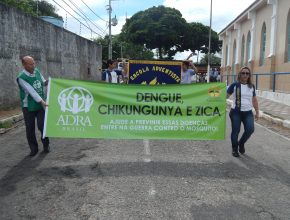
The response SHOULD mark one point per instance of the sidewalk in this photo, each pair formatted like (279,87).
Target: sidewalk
(279,110)
(9,118)
(272,111)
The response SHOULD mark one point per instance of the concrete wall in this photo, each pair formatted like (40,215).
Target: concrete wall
(57,52)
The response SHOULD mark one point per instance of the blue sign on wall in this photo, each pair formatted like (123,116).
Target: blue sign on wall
(153,72)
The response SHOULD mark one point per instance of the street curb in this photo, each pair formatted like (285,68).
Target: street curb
(286,123)
(10,122)
(278,121)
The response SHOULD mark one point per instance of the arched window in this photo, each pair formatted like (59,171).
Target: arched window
(263,45)
(287,57)
(234,57)
(226,58)
(243,51)
(248,47)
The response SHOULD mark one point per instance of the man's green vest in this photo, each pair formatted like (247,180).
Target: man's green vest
(37,85)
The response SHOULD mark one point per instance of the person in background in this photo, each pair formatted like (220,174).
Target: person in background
(186,73)
(125,72)
(215,74)
(212,76)
(218,78)
(194,76)
(111,74)
(244,99)
(31,86)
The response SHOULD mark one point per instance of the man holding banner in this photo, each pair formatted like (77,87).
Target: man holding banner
(31,83)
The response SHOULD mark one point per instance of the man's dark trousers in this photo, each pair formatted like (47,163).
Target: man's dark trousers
(29,118)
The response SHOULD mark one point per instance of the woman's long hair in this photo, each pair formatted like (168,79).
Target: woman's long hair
(249,81)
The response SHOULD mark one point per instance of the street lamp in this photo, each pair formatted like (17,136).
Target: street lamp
(209,41)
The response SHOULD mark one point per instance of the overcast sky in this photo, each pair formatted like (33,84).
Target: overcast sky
(223,12)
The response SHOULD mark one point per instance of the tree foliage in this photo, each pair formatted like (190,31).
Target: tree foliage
(30,7)
(159,28)
(129,50)
(164,29)
(214,60)
(197,38)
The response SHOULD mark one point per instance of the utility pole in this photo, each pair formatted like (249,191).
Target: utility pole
(121,50)
(37,8)
(209,43)
(110,29)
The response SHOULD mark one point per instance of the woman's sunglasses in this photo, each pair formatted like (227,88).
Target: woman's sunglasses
(245,73)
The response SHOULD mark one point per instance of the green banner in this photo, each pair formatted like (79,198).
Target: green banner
(81,109)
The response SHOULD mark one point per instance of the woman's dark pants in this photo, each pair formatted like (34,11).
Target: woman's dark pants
(238,117)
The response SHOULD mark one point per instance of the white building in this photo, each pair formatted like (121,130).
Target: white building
(259,38)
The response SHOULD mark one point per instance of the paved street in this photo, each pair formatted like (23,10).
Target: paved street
(139,179)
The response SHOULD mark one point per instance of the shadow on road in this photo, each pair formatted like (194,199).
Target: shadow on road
(228,170)
(19,172)
(272,172)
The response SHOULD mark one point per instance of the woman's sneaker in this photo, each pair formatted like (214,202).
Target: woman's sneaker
(242,148)
(235,152)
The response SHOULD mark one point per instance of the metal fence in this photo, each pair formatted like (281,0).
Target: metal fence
(274,81)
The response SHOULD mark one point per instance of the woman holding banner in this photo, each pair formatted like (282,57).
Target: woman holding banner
(244,99)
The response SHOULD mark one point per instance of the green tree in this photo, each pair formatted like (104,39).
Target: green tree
(30,7)
(46,9)
(159,28)
(133,51)
(129,50)
(197,36)
(214,60)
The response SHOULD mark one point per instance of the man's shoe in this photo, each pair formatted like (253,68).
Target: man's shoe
(242,148)
(46,149)
(235,153)
(33,153)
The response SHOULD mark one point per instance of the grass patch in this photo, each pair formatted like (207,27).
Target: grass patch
(6,124)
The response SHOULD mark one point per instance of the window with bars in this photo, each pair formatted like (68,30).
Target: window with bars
(263,45)
(243,51)
(248,47)
(287,58)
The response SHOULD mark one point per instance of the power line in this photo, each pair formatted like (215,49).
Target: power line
(90,20)
(83,13)
(82,16)
(77,13)
(94,12)
(76,18)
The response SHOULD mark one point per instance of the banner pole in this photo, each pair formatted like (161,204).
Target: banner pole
(46,110)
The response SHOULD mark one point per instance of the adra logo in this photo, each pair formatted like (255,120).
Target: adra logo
(36,84)
(75,100)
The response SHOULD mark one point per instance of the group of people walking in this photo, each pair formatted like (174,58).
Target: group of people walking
(32,96)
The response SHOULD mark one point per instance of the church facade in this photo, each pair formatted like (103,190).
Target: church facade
(260,39)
